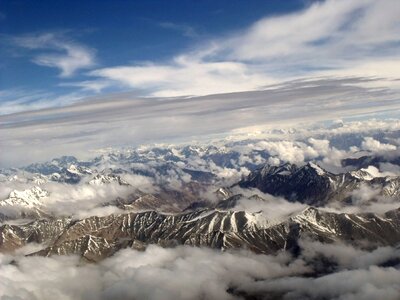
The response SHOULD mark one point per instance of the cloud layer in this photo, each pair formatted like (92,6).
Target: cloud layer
(196,273)
(327,38)
(125,120)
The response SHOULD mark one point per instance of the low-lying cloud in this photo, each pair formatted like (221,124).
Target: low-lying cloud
(197,273)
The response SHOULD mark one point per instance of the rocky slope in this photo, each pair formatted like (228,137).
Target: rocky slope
(95,238)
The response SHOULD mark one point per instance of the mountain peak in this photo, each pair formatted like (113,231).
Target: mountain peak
(317,168)
(27,198)
(362,174)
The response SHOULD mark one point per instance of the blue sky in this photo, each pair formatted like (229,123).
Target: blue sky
(77,76)
(55,53)
(117,33)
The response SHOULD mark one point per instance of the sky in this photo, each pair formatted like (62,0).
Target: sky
(51,47)
(77,76)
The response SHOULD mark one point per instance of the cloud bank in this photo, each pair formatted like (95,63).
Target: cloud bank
(125,120)
(196,273)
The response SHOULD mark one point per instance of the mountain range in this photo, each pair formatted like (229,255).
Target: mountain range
(171,216)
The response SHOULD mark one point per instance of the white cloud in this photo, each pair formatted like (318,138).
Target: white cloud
(60,52)
(370,144)
(17,100)
(294,152)
(157,273)
(91,85)
(185,76)
(296,33)
(198,273)
(125,120)
(334,38)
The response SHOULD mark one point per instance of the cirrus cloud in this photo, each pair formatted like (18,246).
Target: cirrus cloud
(64,54)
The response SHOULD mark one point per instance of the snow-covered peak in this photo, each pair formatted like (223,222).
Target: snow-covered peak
(39,179)
(29,198)
(317,168)
(362,174)
(73,169)
(102,179)
(78,171)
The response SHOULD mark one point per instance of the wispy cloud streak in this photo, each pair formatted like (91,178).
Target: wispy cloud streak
(66,55)
(330,38)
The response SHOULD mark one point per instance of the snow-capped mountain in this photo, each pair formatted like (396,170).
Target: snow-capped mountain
(190,201)
(102,179)
(313,185)
(27,203)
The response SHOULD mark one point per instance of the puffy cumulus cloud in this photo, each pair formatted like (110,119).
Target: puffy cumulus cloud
(198,273)
(375,146)
(356,274)
(228,176)
(300,151)
(294,152)
(157,273)
(320,146)
(48,278)
(330,157)
(372,283)
(346,256)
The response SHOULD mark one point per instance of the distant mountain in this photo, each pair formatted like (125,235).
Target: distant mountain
(24,204)
(191,202)
(102,179)
(366,161)
(311,184)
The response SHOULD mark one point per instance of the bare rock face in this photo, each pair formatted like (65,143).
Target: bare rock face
(90,248)
(95,238)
